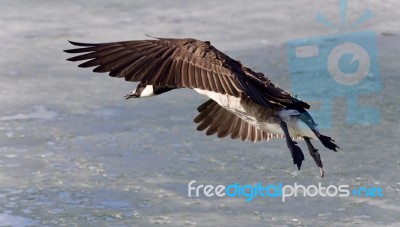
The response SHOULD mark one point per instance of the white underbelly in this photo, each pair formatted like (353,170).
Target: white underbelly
(296,126)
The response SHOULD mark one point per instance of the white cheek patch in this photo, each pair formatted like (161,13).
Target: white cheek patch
(148,91)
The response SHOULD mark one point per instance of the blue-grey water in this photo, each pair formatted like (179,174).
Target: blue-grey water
(73,152)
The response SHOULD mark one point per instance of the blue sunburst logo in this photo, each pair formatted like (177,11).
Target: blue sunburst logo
(345,64)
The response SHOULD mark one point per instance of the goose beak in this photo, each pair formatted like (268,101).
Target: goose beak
(133,94)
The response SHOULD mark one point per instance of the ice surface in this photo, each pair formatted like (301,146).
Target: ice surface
(39,113)
(75,153)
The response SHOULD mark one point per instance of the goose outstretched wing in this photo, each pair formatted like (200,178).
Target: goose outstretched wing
(181,63)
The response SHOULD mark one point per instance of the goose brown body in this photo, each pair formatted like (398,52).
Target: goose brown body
(243,104)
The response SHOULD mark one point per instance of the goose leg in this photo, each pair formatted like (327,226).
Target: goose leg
(314,153)
(295,151)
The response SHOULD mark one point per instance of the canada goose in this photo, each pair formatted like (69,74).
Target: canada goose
(243,104)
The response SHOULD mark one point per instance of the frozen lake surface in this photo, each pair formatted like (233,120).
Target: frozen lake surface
(73,152)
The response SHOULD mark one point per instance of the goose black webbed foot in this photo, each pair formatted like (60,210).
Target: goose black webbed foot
(297,154)
(316,156)
(295,151)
